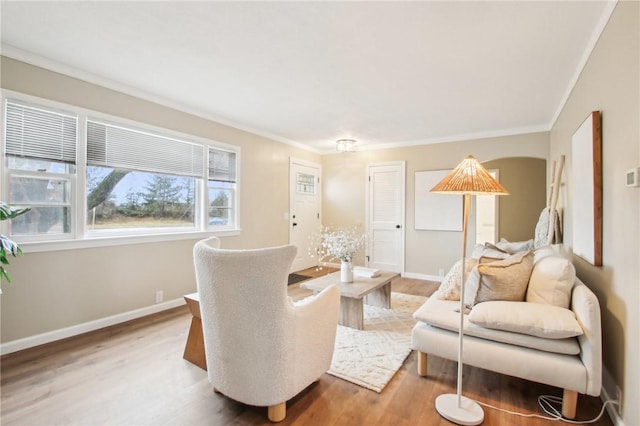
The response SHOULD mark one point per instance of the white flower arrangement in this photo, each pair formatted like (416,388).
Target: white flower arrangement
(335,243)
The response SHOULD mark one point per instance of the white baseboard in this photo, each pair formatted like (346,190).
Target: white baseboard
(74,330)
(425,277)
(609,383)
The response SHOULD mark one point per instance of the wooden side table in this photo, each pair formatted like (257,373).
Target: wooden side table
(194,348)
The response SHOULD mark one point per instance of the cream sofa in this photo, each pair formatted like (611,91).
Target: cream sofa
(571,363)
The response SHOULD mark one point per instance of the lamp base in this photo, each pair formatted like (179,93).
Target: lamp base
(468,414)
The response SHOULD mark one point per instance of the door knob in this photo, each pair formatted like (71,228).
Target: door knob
(398,226)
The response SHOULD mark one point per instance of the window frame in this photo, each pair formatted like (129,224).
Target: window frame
(79,237)
(8,173)
(233,188)
(71,178)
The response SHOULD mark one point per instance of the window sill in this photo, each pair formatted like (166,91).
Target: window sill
(121,240)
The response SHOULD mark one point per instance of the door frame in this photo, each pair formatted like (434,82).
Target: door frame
(495,173)
(403,208)
(306,163)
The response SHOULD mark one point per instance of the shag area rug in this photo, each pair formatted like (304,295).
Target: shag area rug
(371,357)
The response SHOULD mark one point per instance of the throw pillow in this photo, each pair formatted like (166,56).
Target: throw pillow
(514,247)
(546,321)
(477,251)
(549,250)
(471,287)
(552,281)
(505,279)
(450,287)
(490,252)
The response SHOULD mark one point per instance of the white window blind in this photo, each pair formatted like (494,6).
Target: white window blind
(39,133)
(222,165)
(117,147)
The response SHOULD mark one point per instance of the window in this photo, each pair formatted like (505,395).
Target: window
(222,188)
(85,175)
(305,183)
(40,150)
(138,181)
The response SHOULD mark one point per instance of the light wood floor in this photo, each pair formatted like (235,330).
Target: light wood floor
(134,374)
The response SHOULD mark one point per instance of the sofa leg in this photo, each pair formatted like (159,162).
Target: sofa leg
(278,412)
(569,403)
(422,364)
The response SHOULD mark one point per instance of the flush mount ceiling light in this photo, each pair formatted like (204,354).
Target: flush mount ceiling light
(345,145)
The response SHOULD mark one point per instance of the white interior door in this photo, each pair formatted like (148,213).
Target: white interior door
(385,216)
(304,210)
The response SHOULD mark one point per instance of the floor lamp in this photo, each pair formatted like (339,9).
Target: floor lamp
(467,179)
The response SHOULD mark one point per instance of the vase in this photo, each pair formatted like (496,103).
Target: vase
(346,272)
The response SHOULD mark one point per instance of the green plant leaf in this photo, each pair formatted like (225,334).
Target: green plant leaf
(8,212)
(4,275)
(7,245)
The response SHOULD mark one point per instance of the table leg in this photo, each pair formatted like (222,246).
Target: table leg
(380,297)
(194,349)
(351,313)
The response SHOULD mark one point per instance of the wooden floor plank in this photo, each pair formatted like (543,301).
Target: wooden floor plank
(134,374)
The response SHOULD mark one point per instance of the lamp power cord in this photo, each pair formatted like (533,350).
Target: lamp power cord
(552,406)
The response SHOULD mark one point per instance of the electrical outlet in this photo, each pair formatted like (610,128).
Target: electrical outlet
(441,272)
(159,296)
(619,398)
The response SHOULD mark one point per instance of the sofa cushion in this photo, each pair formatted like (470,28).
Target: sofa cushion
(445,314)
(551,281)
(541,320)
(505,279)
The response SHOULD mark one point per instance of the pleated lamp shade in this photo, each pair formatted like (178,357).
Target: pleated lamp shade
(469,177)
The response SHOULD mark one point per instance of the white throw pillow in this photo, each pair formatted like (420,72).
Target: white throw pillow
(471,287)
(477,251)
(551,281)
(489,251)
(546,321)
(549,250)
(450,287)
(515,246)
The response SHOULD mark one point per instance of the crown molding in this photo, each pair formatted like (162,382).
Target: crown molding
(597,32)
(70,71)
(454,138)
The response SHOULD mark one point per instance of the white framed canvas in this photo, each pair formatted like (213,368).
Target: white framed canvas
(586,189)
(436,212)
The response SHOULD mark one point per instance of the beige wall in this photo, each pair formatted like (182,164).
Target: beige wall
(426,251)
(610,83)
(53,290)
(526,181)
(58,289)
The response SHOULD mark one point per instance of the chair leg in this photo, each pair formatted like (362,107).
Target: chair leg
(277,413)
(569,403)
(422,364)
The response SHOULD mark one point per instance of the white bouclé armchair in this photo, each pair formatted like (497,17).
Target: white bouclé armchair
(261,348)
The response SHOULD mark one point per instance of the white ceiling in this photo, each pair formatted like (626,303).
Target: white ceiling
(384,73)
